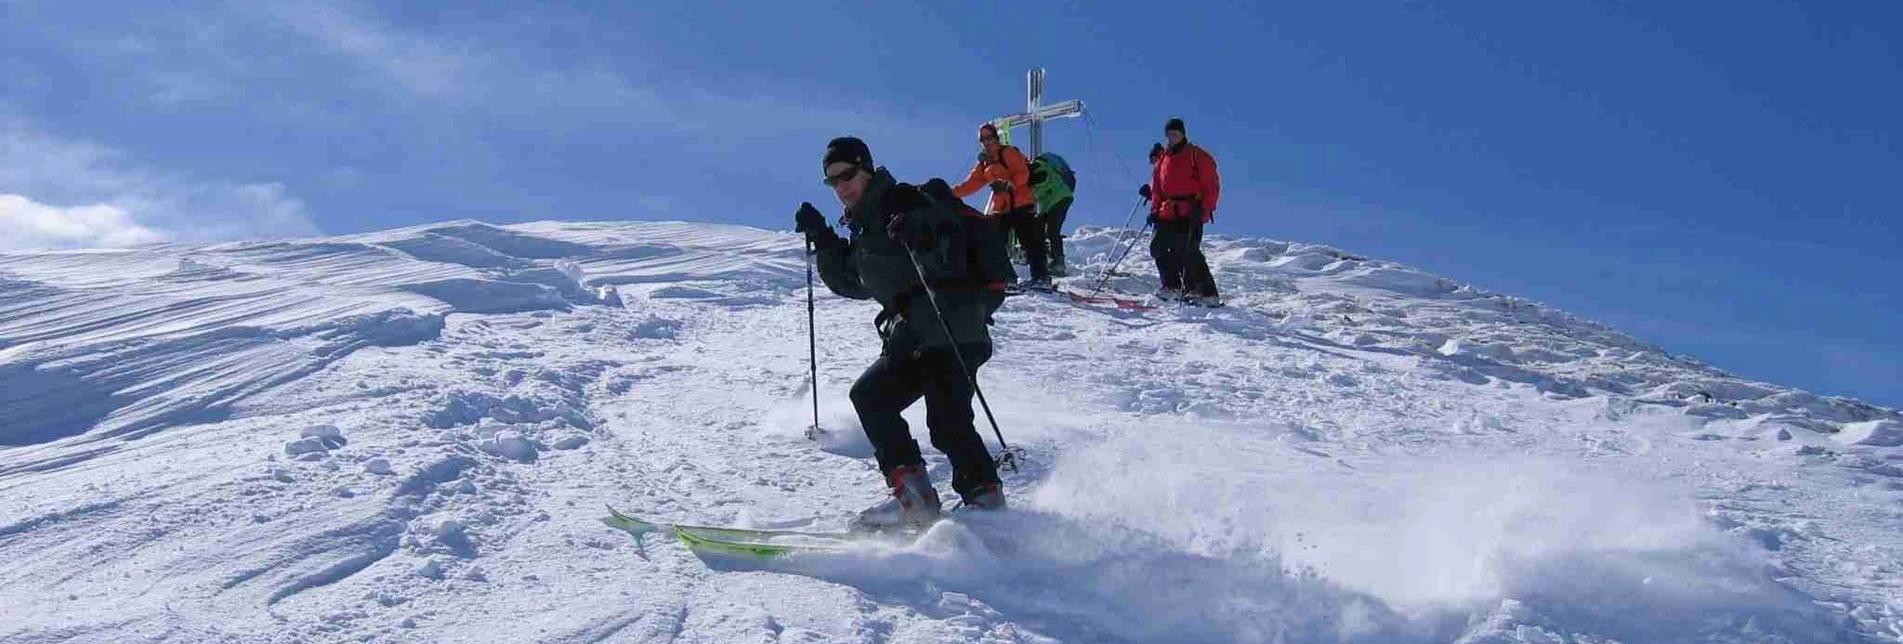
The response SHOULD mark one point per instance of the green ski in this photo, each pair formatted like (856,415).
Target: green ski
(745,542)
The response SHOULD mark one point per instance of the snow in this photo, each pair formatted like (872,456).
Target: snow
(408,436)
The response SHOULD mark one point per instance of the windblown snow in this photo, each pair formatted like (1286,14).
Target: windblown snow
(409,436)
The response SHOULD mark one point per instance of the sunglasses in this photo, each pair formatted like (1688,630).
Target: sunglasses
(833,180)
(983,139)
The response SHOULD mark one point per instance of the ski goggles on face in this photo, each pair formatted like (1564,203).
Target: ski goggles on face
(833,180)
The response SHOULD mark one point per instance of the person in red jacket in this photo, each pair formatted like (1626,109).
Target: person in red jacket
(1008,173)
(1183,190)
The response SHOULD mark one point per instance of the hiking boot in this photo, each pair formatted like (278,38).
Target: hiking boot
(914,504)
(989,496)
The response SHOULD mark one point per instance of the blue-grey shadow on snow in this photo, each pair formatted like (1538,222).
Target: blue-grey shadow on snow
(1712,592)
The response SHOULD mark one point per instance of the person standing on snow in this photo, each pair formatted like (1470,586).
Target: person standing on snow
(1055,186)
(1183,189)
(1005,170)
(897,234)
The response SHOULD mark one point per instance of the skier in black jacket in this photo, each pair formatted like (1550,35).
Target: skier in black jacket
(892,225)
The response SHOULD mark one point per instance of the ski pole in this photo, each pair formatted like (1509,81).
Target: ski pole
(812,342)
(1009,460)
(1104,279)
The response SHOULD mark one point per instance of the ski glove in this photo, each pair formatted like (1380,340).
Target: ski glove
(813,224)
(1143,191)
(808,220)
(904,231)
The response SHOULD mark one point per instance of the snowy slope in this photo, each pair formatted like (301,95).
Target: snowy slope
(408,436)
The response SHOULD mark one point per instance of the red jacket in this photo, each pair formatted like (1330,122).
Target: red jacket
(1008,166)
(1184,182)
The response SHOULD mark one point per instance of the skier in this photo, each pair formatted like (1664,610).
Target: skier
(1184,187)
(1054,185)
(899,233)
(1005,170)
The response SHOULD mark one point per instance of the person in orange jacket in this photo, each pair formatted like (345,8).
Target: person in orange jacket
(1008,173)
(1183,190)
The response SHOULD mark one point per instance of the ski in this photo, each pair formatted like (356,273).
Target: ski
(771,548)
(1126,304)
(749,542)
(638,526)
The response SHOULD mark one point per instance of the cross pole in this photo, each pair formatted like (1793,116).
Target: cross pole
(1036,113)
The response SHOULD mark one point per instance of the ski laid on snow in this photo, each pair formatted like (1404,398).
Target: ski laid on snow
(1124,303)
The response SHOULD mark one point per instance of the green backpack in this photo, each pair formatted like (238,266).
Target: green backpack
(1051,180)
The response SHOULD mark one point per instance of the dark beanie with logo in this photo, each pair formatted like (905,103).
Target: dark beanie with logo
(848,149)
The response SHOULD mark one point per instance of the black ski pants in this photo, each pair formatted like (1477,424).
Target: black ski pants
(1053,221)
(1178,251)
(1023,222)
(894,382)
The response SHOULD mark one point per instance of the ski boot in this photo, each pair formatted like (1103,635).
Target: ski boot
(989,496)
(914,504)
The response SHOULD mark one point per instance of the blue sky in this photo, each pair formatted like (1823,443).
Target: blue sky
(1717,179)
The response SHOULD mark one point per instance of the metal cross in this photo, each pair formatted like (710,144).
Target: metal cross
(1035,112)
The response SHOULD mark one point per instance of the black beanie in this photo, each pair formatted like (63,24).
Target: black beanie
(849,149)
(1175,124)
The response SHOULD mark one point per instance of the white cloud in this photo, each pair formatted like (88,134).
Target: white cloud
(426,66)
(118,196)
(27,224)
(492,82)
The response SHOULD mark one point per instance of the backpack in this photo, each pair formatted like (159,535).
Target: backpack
(1050,160)
(987,262)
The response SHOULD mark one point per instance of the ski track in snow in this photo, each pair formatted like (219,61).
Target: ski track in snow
(408,436)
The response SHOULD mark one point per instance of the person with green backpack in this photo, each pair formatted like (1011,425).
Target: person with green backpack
(1055,186)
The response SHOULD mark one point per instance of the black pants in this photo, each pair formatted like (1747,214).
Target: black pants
(1178,251)
(1030,232)
(1053,221)
(893,383)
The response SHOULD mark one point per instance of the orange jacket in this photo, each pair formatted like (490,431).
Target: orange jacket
(1009,166)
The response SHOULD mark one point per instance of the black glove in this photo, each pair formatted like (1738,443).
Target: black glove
(813,224)
(1001,185)
(1155,219)
(895,228)
(906,231)
(1143,191)
(809,220)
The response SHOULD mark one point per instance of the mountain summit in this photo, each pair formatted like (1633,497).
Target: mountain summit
(409,436)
